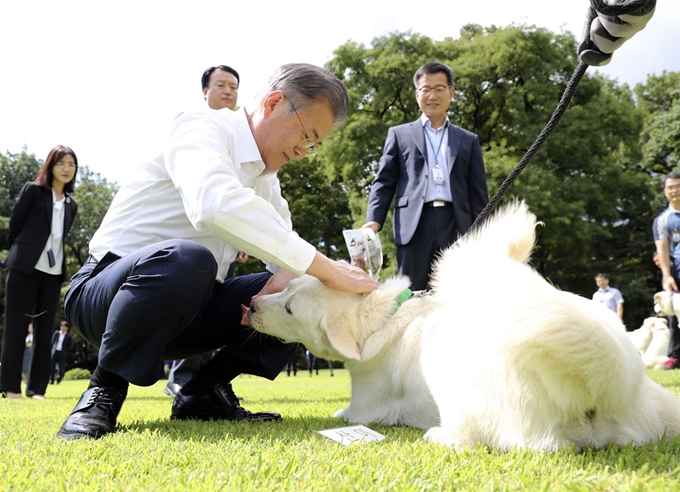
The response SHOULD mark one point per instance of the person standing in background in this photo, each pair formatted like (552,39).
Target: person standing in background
(28,351)
(36,268)
(61,344)
(220,90)
(609,296)
(436,171)
(666,231)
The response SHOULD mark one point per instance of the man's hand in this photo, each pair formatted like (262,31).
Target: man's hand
(340,275)
(609,24)
(669,284)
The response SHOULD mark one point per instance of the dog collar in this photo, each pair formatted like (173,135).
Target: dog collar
(401,299)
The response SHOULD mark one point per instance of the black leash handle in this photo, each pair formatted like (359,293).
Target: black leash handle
(625,7)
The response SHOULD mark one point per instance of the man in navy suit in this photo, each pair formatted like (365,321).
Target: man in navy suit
(436,170)
(61,344)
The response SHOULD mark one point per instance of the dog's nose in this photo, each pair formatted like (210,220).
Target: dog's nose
(252,306)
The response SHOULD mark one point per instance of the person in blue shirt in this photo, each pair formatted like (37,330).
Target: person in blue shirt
(666,231)
(609,296)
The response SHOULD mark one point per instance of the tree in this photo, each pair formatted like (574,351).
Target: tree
(659,102)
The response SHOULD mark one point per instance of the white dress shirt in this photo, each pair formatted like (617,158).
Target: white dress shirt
(437,143)
(55,241)
(209,186)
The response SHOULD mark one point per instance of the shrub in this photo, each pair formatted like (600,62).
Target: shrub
(77,373)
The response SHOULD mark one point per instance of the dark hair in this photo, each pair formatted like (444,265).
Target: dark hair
(603,275)
(673,175)
(64,323)
(46,174)
(303,83)
(205,79)
(431,68)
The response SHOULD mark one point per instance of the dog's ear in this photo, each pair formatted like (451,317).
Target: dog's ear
(340,335)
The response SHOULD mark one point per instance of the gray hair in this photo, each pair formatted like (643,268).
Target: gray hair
(303,83)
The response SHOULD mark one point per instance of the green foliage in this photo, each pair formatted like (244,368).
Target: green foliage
(152,452)
(77,373)
(659,101)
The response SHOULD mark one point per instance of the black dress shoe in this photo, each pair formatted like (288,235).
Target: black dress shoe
(219,403)
(95,414)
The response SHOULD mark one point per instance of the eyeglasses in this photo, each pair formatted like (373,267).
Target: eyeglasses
(310,146)
(438,89)
(69,165)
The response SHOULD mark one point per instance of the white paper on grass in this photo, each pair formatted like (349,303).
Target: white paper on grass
(365,250)
(355,434)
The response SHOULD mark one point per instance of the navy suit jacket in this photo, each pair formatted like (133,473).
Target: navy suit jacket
(403,170)
(30,227)
(65,345)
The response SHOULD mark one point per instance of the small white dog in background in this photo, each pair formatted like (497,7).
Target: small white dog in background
(642,337)
(542,369)
(656,354)
(667,303)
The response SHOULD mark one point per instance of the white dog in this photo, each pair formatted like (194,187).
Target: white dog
(642,337)
(655,355)
(543,369)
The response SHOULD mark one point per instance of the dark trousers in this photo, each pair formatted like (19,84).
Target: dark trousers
(32,298)
(162,302)
(58,359)
(436,231)
(674,342)
(183,370)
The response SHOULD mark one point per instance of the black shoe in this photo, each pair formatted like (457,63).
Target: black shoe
(219,403)
(171,389)
(95,414)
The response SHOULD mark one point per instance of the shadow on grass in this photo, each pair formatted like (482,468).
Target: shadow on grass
(289,431)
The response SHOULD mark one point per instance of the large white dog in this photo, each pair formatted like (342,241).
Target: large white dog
(539,368)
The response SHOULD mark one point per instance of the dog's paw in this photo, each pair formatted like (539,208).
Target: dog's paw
(340,414)
(438,435)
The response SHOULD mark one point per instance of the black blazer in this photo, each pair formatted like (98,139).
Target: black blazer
(66,344)
(30,226)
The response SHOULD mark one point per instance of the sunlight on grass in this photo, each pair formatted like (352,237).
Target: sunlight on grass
(150,452)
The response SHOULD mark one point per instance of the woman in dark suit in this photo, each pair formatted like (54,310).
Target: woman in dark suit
(36,268)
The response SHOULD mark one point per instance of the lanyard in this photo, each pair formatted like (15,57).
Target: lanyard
(438,148)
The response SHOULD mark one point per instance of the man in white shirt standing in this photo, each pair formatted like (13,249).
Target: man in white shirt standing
(609,296)
(155,286)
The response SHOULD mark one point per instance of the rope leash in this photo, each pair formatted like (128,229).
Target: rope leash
(626,7)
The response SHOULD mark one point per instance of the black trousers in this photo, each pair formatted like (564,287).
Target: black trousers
(162,302)
(32,298)
(58,359)
(436,231)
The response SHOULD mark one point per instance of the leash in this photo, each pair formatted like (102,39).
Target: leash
(627,7)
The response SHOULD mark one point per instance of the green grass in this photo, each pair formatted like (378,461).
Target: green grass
(153,453)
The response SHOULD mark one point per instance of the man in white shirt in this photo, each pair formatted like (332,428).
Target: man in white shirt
(609,296)
(155,286)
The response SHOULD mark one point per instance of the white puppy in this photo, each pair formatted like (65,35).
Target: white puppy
(643,335)
(656,354)
(557,369)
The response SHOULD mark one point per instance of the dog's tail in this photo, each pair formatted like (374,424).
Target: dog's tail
(508,233)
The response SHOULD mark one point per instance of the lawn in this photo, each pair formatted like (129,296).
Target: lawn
(153,453)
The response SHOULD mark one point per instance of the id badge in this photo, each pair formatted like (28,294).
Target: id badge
(438,176)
